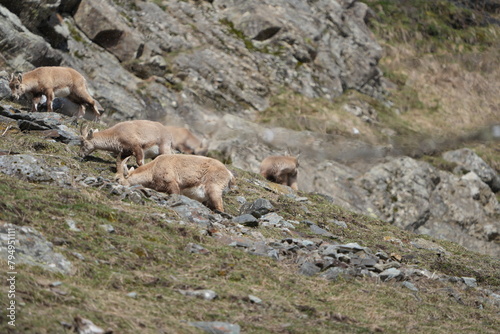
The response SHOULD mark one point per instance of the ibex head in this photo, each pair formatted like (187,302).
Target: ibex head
(86,145)
(122,171)
(16,87)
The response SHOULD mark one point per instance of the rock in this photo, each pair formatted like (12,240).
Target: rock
(203,294)
(334,273)
(389,274)
(416,196)
(32,18)
(246,220)
(338,223)
(25,49)
(382,255)
(132,295)
(271,219)
(258,208)
(216,327)
(107,228)
(85,326)
(320,231)
(44,122)
(32,248)
(470,282)
(189,209)
(410,286)
(380,267)
(194,248)
(309,269)
(255,300)
(468,161)
(34,169)
(72,225)
(351,247)
(108,29)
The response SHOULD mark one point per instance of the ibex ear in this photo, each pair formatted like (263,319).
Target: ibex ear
(91,134)
(12,77)
(83,131)
(20,77)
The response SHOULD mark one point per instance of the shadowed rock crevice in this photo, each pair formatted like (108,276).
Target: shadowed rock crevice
(108,38)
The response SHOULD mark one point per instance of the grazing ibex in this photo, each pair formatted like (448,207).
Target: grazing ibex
(281,169)
(53,81)
(128,138)
(200,178)
(186,142)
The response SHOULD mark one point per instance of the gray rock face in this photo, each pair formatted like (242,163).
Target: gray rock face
(32,12)
(21,48)
(468,161)
(32,248)
(226,56)
(52,124)
(33,169)
(258,208)
(417,197)
(103,24)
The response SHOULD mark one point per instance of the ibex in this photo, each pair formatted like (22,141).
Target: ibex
(186,142)
(281,169)
(128,138)
(53,81)
(200,178)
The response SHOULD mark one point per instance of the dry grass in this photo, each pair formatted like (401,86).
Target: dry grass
(456,98)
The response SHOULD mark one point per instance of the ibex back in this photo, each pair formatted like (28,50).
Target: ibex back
(53,81)
(186,142)
(200,178)
(128,138)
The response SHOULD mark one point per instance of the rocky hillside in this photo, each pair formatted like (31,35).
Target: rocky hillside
(393,107)
(258,79)
(89,255)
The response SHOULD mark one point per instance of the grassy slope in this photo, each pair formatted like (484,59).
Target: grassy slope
(146,255)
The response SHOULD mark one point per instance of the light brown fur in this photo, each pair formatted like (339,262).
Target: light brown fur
(200,178)
(53,81)
(281,169)
(186,142)
(128,138)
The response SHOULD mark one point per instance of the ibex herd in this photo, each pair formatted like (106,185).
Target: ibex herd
(201,178)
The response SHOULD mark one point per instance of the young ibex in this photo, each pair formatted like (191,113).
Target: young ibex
(186,142)
(53,81)
(128,138)
(281,169)
(200,178)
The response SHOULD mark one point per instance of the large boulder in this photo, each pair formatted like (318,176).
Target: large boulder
(468,161)
(32,12)
(104,25)
(418,197)
(22,49)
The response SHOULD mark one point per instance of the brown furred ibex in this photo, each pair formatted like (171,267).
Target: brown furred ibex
(281,169)
(128,138)
(186,142)
(200,178)
(53,81)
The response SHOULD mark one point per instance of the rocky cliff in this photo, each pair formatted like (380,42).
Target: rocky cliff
(215,66)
